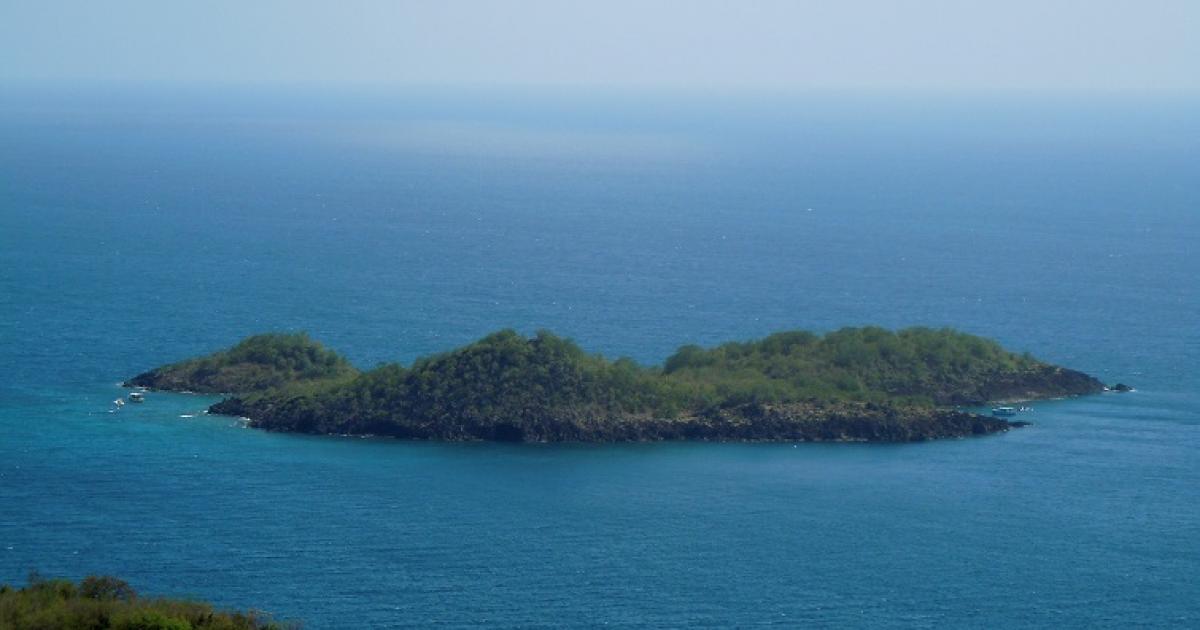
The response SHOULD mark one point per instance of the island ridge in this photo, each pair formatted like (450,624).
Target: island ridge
(853,384)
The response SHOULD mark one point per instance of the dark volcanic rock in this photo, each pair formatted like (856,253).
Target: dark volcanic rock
(1043,382)
(798,422)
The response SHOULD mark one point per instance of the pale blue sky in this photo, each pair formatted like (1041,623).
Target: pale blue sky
(943,45)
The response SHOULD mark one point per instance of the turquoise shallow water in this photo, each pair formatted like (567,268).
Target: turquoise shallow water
(139,229)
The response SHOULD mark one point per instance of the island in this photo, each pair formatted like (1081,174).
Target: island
(853,384)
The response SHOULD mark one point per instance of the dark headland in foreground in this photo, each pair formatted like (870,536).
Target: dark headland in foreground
(854,384)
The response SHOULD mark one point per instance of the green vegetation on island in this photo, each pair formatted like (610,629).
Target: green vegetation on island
(107,603)
(851,384)
(258,363)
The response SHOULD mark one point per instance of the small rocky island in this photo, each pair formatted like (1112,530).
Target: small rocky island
(854,384)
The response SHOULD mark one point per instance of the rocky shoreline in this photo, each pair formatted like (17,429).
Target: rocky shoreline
(810,421)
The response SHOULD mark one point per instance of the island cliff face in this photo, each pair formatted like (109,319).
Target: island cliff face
(855,384)
(753,422)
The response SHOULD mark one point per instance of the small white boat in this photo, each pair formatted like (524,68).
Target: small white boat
(137,397)
(118,403)
(1004,412)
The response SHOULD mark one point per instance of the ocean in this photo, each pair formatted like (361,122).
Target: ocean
(144,225)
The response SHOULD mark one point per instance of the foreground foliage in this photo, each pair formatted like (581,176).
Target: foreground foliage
(101,603)
(508,387)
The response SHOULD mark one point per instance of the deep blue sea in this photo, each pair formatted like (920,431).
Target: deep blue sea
(144,225)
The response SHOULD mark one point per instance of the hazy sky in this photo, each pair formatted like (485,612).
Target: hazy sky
(873,44)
